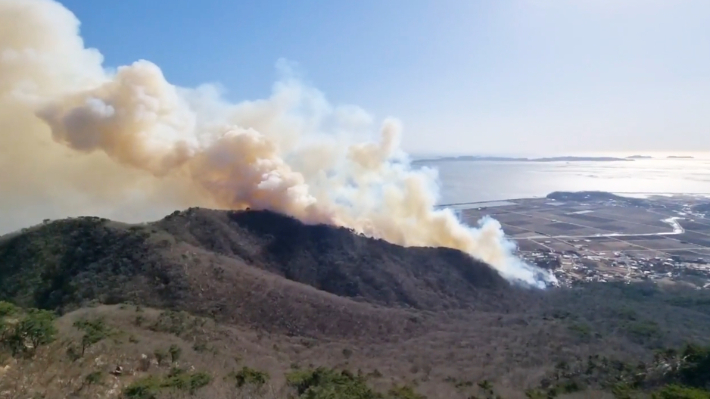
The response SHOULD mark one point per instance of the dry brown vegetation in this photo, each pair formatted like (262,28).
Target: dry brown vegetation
(256,289)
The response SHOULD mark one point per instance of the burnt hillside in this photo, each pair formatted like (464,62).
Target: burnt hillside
(255,268)
(338,261)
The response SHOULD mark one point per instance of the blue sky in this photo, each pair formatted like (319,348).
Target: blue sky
(503,77)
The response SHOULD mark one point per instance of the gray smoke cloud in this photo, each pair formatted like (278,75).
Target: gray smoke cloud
(84,139)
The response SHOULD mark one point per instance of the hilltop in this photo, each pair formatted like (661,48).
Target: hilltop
(261,290)
(276,268)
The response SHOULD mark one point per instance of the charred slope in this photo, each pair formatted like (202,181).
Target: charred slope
(256,268)
(73,263)
(338,261)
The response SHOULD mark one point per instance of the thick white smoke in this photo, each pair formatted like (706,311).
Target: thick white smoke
(131,134)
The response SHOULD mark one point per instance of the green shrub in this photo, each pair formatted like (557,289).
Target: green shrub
(199,380)
(485,385)
(175,352)
(569,386)
(38,327)
(34,328)
(8,309)
(73,353)
(160,355)
(169,321)
(463,384)
(404,392)
(643,330)
(622,391)
(375,373)
(626,313)
(323,383)
(149,387)
(94,331)
(94,378)
(581,329)
(143,388)
(695,368)
(536,394)
(183,381)
(200,347)
(249,376)
(681,392)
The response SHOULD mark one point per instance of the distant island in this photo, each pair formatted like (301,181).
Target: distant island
(680,157)
(514,159)
(584,196)
(640,157)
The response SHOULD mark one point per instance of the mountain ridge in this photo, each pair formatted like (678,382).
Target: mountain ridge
(256,289)
(279,273)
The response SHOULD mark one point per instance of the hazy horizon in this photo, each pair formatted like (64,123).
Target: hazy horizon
(616,154)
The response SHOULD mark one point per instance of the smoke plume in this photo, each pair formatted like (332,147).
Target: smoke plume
(77,138)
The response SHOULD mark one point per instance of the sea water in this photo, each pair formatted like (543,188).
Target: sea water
(472,181)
